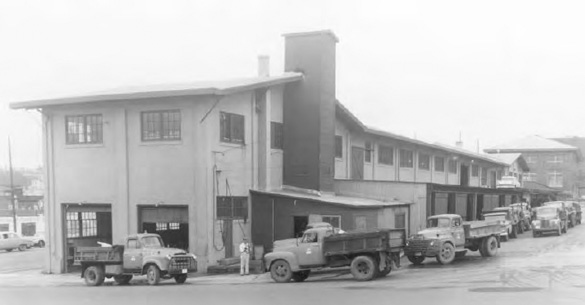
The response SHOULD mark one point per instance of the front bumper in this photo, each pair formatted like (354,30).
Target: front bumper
(422,247)
(182,264)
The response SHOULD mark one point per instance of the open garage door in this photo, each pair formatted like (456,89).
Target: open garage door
(171,223)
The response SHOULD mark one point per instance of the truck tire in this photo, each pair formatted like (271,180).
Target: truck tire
(489,247)
(387,268)
(300,276)
(446,254)
(122,279)
(21,248)
(364,268)
(416,260)
(9,250)
(41,244)
(280,271)
(180,279)
(94,275)
(152,275)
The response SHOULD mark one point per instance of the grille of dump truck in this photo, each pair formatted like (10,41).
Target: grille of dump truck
(182,262)
(418,245)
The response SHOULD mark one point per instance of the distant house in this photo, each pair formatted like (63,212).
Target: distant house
(551,162)
(516,164)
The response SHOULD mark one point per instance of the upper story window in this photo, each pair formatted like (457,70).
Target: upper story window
(531,159)
(276,135)
(406,158)
(452,166)
(385,155)
(474,170)
(555,179)
(424,161)
(161,125)
(231,127)
(369,151)
(338,147)
(439,164)
(84,129)
(484,174)
(555,159)
(529,176)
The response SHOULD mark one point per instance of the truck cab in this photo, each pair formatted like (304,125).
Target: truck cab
(548,219)
(308,249)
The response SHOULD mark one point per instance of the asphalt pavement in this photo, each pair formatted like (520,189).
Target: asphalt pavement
(527,270)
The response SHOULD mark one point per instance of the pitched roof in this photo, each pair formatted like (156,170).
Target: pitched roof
(222,87)
(531,143)
(510,158)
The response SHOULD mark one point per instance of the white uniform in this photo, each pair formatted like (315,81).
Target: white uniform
(244,258)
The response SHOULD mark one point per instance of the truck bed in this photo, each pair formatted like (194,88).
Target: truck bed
(106,255)
(389,240)
(481,228)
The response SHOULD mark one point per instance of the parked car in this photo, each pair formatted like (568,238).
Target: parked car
(10,241)
(567,211)
(37,240)
(548,219)
(508,182)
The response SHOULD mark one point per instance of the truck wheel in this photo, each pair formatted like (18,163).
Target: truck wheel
(280,271)
(41,244)
(364,268)
(447,254)
(513,234)
(21,247)
(94,275)
(387,268)
(152,275)
(9,250)
(416,260)
(300,276)
(489,247)
(122,279)
(180,279)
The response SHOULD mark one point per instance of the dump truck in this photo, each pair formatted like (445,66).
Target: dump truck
(369,254)
(549,219)
(141,254)
(447,237)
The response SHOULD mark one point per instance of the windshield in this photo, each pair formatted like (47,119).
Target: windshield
(438,223)
(151,242)
(546,211)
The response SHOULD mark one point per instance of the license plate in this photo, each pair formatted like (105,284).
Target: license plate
(418,254)
(184,271)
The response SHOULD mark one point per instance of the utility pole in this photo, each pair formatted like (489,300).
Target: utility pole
(12,185)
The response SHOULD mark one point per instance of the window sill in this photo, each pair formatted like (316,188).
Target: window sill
(74,146)
(232,145)
(338,159)
(159,143)
(385,165)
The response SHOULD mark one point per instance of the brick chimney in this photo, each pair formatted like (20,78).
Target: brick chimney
(309,111)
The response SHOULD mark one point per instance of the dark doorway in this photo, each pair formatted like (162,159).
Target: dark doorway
(300,223)
(470,208)
(171,223)
(502,200)
(493,180)
(479,207)
(357,163)
(228,237)
(464,175)
(451,203)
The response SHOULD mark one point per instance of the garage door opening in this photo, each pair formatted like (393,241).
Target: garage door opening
(171,223)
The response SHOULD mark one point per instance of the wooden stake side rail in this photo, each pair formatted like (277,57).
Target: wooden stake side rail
(105,255)
(388,240)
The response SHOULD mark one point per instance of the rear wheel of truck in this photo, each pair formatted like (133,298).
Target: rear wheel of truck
(364,268)
(416,260)
(180,279)
(94,275)
(21,247)
(300,276)
(446,254)
(387,268)
(280,271)
(152,275)
(489,246)
(122,279)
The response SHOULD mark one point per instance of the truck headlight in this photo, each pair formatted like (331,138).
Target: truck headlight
(432,243)
(169,256)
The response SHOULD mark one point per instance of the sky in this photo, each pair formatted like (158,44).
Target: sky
(492,71)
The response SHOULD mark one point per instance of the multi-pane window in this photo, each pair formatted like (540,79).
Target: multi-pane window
(385,155)
(484,174)
(424,161)
(555,179)
(452,166)
(531,159)
(400,221)
(338,147)
(474,170)
(162,125)
(529,176)
(232,207)
(231,127)
(369,151)
(439,164)
(84,129)
(276,135)
(81,224)
(88,224)
(161,226)
(555,159)
(73,225)
(406,158)
(333,220)
(174,226)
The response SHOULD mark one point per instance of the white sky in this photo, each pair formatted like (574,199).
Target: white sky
(493,70)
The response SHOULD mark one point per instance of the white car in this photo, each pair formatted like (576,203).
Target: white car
(10,241)
(36,241)
(508,182)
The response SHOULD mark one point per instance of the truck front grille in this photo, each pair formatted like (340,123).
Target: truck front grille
(418,245)
(182,262)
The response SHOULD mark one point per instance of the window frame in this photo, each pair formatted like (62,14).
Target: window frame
(338,147)
(227,130)
(332,216)
(84,224)
(555,159)
(230,202)
(276,135)
(428,163)
(483,176)
(159,125)
(385,152)
(99,133)
(529,176)
(441,164)
(474,170)
(449,168)
(368,151)
(409,162)
(557,176)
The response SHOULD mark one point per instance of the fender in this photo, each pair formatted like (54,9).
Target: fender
(157,261)
(287,256)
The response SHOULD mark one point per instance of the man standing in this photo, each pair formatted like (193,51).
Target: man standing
(244,257)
